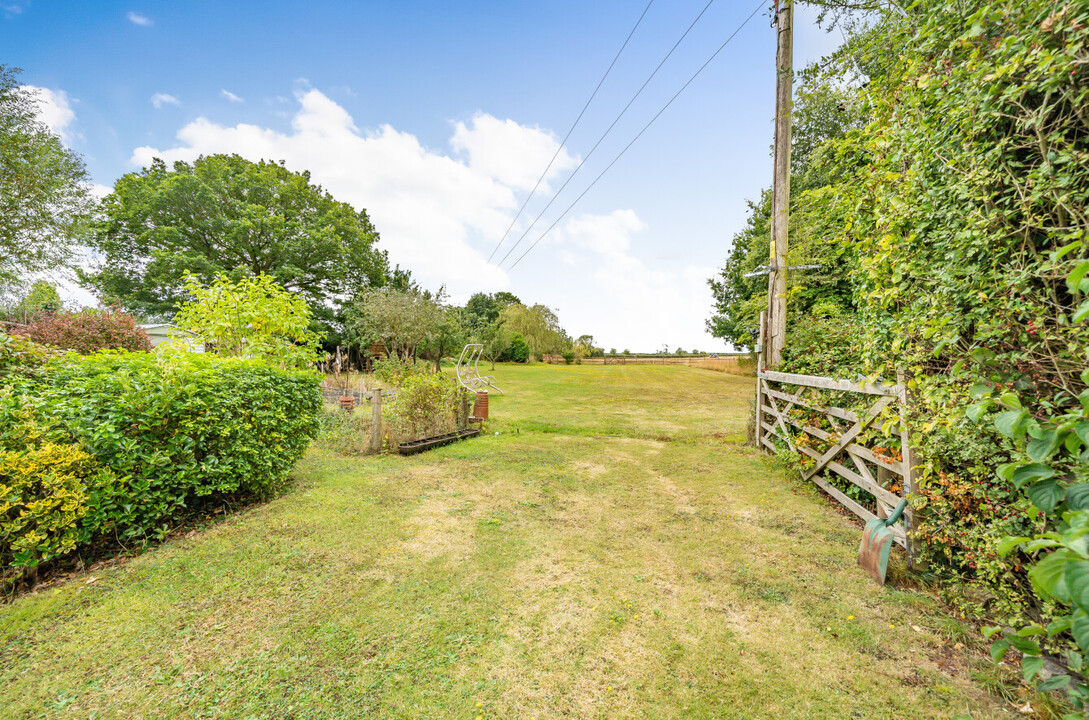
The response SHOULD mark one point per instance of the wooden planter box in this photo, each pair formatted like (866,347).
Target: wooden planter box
(417,446)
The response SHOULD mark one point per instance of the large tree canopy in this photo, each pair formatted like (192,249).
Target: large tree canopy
(224,214)
(43,191)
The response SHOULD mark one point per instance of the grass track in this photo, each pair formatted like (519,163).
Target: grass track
(608,551)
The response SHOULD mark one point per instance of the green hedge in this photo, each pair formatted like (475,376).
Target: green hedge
(118,444)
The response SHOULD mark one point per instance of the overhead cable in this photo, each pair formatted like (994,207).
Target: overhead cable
(605,134)
(568,135)
(621,154)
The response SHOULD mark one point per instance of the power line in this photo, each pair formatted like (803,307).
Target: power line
(568,135)
(605,134)
(621,154)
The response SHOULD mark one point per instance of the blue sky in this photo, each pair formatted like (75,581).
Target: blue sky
(438,118)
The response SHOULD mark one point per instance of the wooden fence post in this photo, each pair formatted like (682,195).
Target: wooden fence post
(376,420)
(758,434)
(463,409)
(907,458)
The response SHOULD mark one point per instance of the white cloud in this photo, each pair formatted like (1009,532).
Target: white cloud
(230,96)
(99,191)
(511,153)
(142,20)
(430,208)
(54,110)
(160,99)
(629,299)
(11,9)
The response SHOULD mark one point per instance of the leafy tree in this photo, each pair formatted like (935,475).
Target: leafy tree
(538,326)
(44,198)
(226,215)
(483,308)
(496,341)
(250,317)
(398,320)
(518,351)
(88,331)
(445,333)
(42,297)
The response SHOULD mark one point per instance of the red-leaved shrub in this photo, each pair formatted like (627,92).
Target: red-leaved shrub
(88,330)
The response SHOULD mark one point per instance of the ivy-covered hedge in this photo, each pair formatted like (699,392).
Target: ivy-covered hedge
(116,445)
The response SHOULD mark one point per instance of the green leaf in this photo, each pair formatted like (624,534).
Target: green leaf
(1035,471)
(1077,497)
(974,412)
(1005,545)
(1040,449)
(1049,576)
(979,391)
(1079,628)
(1073,280)
(1010,399)
(1058,625)
(991,631)
(982,355)
(1054,683)
(1046,494)
(999,649)
(1082,312)
(1082,430)
(1077,582)
(1024,645)
(1030,666)
(1011,422)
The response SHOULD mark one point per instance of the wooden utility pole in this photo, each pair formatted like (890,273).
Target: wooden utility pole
(780,193)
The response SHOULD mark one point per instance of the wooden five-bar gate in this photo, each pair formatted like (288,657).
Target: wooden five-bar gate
(789,409)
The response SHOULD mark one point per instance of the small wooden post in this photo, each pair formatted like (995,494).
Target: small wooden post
(907,458)
(760,350)
(463,409)
(376,420)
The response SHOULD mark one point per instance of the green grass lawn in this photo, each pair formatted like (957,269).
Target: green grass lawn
(608,550)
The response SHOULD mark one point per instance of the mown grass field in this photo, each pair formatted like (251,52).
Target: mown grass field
(608,550)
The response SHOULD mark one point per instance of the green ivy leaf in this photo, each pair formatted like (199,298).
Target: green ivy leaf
(1046,494)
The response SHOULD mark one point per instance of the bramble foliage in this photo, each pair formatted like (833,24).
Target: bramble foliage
(952,232)
(88,330)
(251,317)
(120,443)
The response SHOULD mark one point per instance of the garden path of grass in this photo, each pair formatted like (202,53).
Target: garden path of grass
(608,550)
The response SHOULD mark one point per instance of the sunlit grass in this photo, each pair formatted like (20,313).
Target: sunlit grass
(608,550)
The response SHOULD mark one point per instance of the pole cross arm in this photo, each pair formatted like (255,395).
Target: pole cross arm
(766,269)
